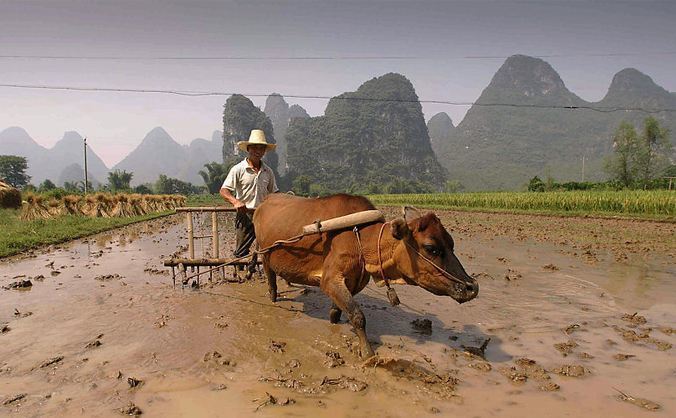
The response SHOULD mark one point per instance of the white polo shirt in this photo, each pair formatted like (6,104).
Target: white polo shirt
(249,187)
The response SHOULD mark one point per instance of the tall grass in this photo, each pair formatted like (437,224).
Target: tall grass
(654,203)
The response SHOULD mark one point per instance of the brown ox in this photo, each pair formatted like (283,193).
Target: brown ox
(410,248)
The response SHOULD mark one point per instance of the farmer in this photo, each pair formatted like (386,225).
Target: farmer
(247,185)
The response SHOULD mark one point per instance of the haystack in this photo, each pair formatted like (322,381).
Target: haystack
(34,208)
(136,204)
(54,207)
(9,196)
(121,206)
(97,205)
(70,205)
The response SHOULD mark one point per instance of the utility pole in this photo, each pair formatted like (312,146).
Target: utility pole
(85,166)
(582,168)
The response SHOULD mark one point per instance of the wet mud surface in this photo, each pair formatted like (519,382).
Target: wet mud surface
(574,317)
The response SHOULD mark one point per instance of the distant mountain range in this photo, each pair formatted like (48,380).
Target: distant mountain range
(515,130)
(499,145)
(44,163)
(158,153)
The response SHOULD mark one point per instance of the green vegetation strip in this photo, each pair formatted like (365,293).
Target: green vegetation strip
(18,235)
(649,204)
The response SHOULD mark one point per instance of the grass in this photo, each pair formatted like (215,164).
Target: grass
(206,200)
(18,236)
(642,204)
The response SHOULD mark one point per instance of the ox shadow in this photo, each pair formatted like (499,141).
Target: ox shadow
(382,319)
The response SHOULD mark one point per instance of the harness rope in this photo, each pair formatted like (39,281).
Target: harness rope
(391,293)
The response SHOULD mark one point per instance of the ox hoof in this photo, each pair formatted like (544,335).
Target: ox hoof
(334,315)
(273,297)
(367,352)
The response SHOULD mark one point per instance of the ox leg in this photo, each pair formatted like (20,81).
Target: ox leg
(342,298)
(272,278)
(334,314)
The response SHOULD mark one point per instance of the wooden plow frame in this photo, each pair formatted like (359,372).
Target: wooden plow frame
(213,259)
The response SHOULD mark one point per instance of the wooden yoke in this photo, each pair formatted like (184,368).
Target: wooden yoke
(341,222)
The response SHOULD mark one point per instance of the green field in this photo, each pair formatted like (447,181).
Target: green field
(648,204)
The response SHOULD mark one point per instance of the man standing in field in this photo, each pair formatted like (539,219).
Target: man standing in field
(248,183)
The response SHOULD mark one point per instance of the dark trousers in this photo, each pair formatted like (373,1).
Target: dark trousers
(244,233)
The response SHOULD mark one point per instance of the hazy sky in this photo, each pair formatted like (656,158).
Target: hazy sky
(442,35)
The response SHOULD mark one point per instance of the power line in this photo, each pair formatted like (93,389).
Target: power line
(188,93)
(321,57)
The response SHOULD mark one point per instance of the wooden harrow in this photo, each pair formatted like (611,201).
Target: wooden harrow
(210,258)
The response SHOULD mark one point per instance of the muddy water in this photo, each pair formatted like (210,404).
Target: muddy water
(553,298)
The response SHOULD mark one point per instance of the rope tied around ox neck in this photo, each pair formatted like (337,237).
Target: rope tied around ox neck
(391,293)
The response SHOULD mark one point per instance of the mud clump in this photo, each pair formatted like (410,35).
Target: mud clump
(4,329)
(271,400)
(634,319)
(666,330)
(441,385)
(512,275)
(571,370)
(333,359)
(422,326)
(95,343)
(642,337)
(481,366)
(108,277)
(643,403)
(344,382)
(19,314)
(566,348)
(134,382)
(571,328)
(13,399)
(477,351)
(623,357)
(131,410)
(514,375)
(19,284)
(277,346)
(550,267)
(216,358)
(549,387)
(52,361)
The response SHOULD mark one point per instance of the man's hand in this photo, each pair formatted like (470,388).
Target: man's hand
(236,203)
(239,206)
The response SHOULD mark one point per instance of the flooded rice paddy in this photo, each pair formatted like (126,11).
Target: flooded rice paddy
(575,317)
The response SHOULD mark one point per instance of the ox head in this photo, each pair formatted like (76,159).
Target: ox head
(425,257)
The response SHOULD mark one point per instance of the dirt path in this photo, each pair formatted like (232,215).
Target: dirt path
(554,294)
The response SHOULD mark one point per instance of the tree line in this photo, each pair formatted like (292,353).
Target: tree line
(639,160)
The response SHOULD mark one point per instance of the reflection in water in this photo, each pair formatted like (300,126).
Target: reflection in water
(102,240)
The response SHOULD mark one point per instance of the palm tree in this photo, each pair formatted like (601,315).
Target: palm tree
(214,176)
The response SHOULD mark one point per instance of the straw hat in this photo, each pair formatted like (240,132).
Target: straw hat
(257,137)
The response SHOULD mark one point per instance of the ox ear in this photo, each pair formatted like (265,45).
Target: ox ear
(399,229)
(410,213)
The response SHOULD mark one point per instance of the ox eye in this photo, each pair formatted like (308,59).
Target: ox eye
(433,250)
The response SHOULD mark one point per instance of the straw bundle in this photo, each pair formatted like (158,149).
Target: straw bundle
(9,196)
(34,208)
(136,204)
(97,205)
(121,206)
(53,206)
(70,205)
